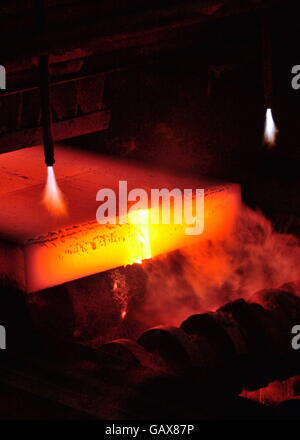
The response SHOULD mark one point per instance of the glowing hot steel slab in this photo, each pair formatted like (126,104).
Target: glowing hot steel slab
(39,250)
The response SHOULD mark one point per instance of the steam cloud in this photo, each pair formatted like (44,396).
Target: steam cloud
(208,275)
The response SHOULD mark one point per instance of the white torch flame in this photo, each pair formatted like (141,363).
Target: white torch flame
(270,130)
(53,198)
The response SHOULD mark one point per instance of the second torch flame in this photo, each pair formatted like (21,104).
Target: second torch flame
(53,197)
(270,130)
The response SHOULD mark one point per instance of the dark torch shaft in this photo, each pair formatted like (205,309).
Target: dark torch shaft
(267,57)
(46,111)
(43,61)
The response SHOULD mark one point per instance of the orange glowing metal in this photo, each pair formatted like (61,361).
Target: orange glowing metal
(91,248)
(48,250)
(53,197)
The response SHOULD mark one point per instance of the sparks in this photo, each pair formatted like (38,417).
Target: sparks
(270,130)
(53,198)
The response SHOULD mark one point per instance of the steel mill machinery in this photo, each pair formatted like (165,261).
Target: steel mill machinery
(142,321)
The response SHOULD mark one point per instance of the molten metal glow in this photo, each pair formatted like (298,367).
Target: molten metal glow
(270,129)
(91,248)
(45,250)
(53,198)
(141,219)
